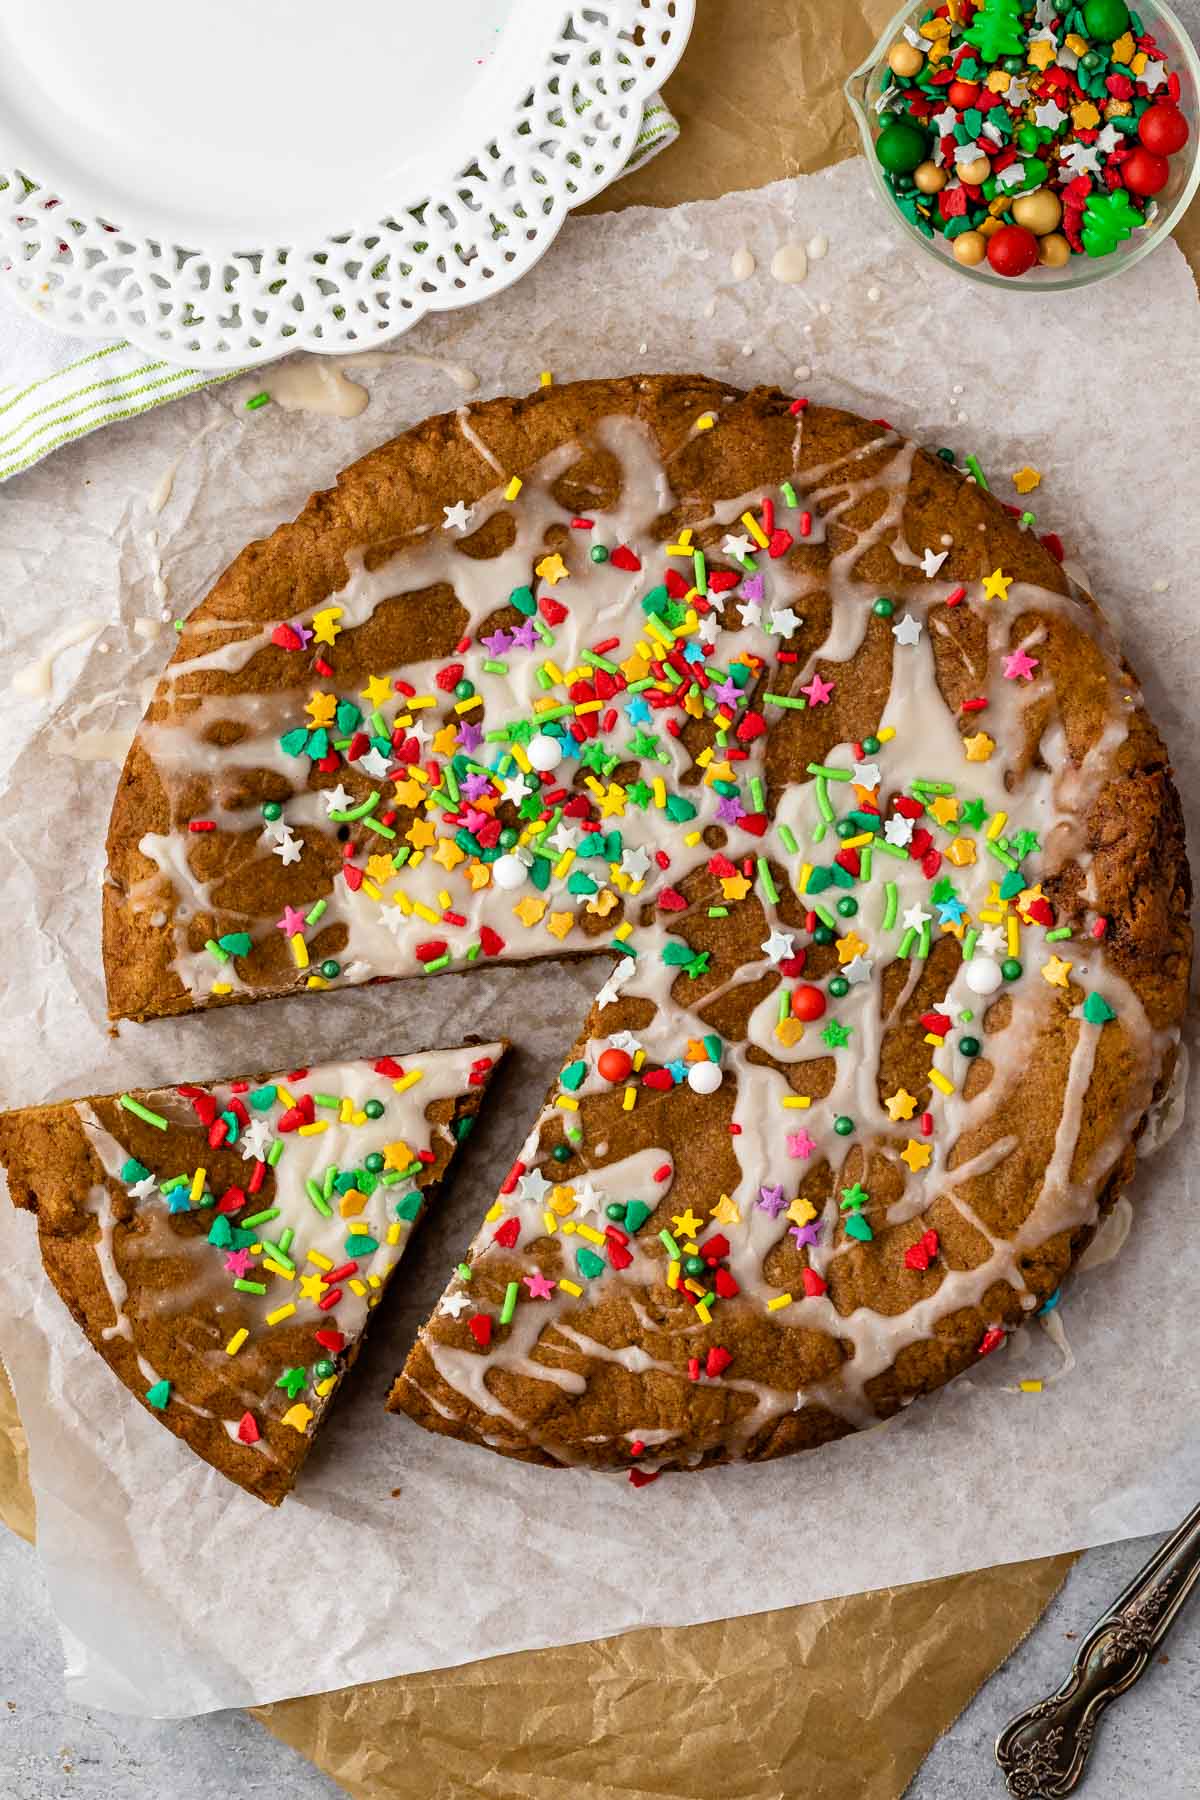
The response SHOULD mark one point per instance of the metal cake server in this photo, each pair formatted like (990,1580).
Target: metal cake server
(1043,1750)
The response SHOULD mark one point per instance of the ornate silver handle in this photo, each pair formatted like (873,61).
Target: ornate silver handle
(1042,1751)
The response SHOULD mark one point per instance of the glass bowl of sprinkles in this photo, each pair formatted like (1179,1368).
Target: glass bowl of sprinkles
(1033,143)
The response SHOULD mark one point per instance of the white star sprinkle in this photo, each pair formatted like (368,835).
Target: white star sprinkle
(255,1140)
(751,613)
(866,774)
(534,1186)
(565,837)
(514,789)
(778,945)
(736,546)
(276,830)
(784,623)
(858,970)
(374,764)
(1081,159)
(1050,114)
(710,626)
(625,1040)
(1108,139)
(991,939)
(142,1190)
(898,830)
(1154,74)
(588,1199)
(932,561)
(288,849)
(635,861)
(394,919)
(453,1304)
(458,516)
(419,730)
(337,799)
(907,630)
(945,121)
(914,918)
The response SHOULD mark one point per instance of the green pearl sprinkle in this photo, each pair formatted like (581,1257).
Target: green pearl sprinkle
(839,987)
(331,969)
(970,1046)
(847,906)
(1010,968)
(883,609)
(843,1126)
(374,1162)
(374,1109)
(598,553)
(561,1152)
(271,809)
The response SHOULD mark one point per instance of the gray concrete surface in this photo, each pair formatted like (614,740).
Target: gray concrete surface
(1149,1749)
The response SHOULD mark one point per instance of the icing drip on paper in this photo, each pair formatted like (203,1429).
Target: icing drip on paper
(999,809)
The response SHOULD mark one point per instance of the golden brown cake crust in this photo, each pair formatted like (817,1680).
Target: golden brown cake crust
(626,1377)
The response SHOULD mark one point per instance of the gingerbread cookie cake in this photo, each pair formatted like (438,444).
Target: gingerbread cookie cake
(224,1246)
(815,746)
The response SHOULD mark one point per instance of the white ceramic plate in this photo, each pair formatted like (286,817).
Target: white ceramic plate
(223,182)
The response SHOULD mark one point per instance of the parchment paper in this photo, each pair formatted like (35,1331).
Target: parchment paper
(474,1555)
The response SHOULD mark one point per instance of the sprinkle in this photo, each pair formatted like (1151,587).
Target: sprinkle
(510,1301)
(142,1112)
(779,1300)
(281,1313)
(570,1287)
(250,1287)
(236,1341)
(940,1081)
(513,488)
(891,904)
(257,400)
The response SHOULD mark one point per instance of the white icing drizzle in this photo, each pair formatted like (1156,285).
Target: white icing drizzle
(922,744)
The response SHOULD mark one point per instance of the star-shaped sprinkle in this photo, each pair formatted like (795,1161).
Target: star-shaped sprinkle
(901,1104)
(806,1234)
(770,1200)
(907,630)
(311,1287)
(291,922)
(854,1197)
(1153,76)
(915,918)
(533,1186)
(996,585)
(238,1263)
(588,1199)
(866,775)
(337,799)
(530,911)
(801,1211)
(1026,479)
(778,945)
(725,1212)
(898,830)
(849,945)
(552,569)
(288,849)
(800,1145)
(917,1155)
(1056,971)
(142,1190)
(783,623)
(991,939)
(818,691)
(1081,159)
(751,612)
(974,812)
(453,1304)
(686,1223)
(255,1140)
(858,970)
(539,1287)
(944,809)
(1019,666)
(375,764)
(979,747)
(836,1035)
(376,692)
(1051,115)
(457,517)
(736,546)
(932,561)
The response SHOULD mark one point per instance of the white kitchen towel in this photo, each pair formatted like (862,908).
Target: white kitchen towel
(54,387)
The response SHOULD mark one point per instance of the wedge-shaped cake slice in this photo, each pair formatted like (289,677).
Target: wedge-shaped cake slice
(223,1246)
